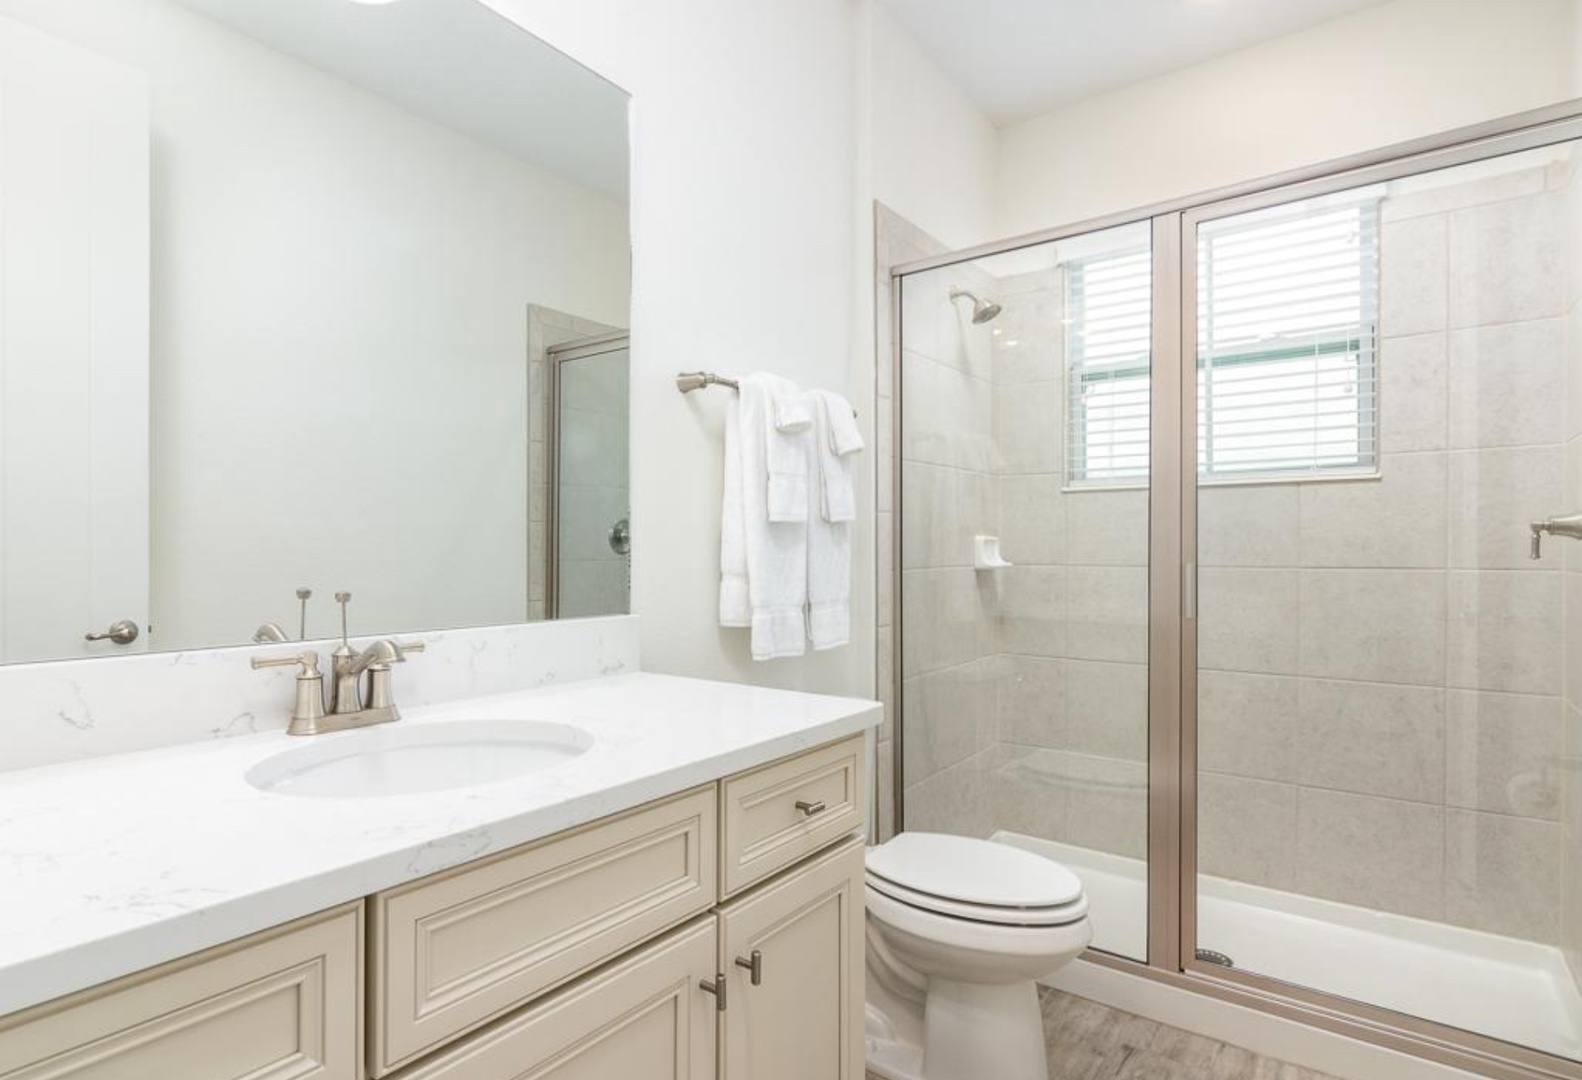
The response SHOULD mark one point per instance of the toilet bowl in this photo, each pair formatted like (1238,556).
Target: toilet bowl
(959,931)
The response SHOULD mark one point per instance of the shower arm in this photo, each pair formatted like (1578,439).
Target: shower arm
(1569,525)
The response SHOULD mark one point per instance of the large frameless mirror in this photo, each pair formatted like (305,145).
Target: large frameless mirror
(279,280)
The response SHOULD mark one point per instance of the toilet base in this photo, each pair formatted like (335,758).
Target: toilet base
(972,1031)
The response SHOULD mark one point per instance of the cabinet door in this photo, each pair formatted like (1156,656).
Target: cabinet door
(804,1018)
(643,1018)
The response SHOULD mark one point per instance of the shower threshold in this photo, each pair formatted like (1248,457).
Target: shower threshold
(1428,969)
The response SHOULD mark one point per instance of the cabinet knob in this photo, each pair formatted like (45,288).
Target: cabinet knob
(715,986)
(753,964)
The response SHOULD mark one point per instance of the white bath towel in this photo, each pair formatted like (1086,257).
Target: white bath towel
(836,440)
(829,533)
(735,606)
(788,424)
(775,551)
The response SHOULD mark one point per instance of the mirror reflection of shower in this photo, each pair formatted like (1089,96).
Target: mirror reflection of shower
(983,309)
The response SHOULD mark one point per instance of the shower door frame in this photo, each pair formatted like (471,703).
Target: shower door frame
(1172,576)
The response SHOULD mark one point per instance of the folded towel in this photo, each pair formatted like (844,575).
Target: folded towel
(829,530)
(735,607)
(776,551)
(785,448)
(837,437)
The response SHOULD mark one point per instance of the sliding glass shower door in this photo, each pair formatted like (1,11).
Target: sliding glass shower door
(1387,388)
(1023,589)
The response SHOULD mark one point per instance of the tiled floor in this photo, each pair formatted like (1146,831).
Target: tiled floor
(1089,1041)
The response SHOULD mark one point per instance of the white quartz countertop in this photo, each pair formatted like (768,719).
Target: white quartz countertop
(115,864)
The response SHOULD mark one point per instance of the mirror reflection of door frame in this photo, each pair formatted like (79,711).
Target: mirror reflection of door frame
(555,355)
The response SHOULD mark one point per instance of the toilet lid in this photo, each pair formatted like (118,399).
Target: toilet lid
(1060,915)
(978,873)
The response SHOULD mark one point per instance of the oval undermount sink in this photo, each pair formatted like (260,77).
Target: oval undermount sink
(393,759)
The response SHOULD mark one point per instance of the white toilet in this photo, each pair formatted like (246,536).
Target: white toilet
(959,930)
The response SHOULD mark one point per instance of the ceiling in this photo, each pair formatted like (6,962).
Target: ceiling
(1019,58)
(460,64)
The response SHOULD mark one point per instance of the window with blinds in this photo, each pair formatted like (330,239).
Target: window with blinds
(1287,371)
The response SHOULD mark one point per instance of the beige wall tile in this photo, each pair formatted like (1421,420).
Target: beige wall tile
(942,509)
(1505,631)
(1413,263)
(1107,804)
(944,620)
(1414,385)
(1503,753)
(1502,874)
(1507,261)
(1247,830)
(1494,495)
(1028,336)
(1029,792)
(884,789)
(1572,646)
(1247,620)
(1507,384)
(1247,724)
(1028,428)
(1374,625)
(1379,853)
(946,415)
(1373,739)
(951,714)
(1033,519)
(884,568)
(1253,525)
(954,800)
(884,678)
(1107,528)
(1032,701)
(1107,709)
(1108,617)
(1033,604)
(1396,521)
(1571,845)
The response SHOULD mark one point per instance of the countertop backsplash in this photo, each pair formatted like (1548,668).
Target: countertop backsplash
(73,709)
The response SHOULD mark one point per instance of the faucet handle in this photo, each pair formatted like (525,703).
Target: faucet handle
(410,646)
(308,659)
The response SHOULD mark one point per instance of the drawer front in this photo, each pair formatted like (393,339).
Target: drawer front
(645,1018)
(453,951)
(763,826)
(283,1005)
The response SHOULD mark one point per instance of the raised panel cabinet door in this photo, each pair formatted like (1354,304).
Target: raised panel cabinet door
(644,1018)
(282,1005)
(803,933)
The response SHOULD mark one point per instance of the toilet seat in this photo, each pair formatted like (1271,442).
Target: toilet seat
(978,880)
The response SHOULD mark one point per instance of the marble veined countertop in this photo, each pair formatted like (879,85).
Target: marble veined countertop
(115,864)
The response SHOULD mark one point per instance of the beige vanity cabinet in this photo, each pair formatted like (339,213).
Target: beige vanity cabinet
(716,934)
(792,951)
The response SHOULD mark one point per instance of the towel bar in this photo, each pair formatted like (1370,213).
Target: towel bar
(689,381)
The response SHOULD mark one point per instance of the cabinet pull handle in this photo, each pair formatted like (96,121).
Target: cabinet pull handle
(810,809)
(715,987)
(755,965)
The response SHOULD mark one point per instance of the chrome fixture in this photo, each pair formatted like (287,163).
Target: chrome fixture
(1566,525)
(121,632)
(352,704)
(269,633)
(689,381)
(621,537)
(303,594)
(982,310)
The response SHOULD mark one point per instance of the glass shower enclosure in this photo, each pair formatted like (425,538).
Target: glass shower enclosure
(1271,656)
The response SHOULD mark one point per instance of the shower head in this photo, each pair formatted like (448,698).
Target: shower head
(982,310)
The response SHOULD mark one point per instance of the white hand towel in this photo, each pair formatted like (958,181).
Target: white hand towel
(837,438)
(735,607)
(776,551)
(829,538)
(786,422)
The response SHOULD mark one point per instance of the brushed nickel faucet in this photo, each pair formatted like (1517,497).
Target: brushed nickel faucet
(360,693)
(1564,525)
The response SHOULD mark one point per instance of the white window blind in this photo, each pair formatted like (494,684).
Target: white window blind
(1287,372)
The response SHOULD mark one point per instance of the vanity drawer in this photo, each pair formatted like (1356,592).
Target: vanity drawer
(643,1018)
(278,1005)
(773,816)
(455,950)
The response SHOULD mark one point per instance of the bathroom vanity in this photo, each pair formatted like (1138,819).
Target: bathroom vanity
(684,899)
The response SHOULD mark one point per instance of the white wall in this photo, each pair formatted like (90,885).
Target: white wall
(743,210)
(339,353)
(933,152)
(1383,75)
